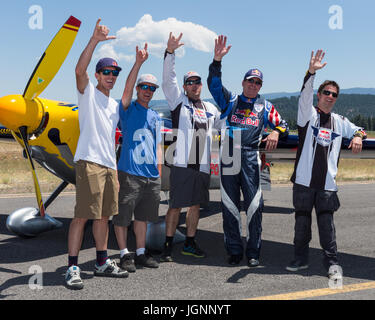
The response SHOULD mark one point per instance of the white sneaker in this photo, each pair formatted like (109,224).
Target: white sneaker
(73,279)
(335,273)
(110,269)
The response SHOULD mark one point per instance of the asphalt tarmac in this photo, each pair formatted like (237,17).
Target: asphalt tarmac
(33,269)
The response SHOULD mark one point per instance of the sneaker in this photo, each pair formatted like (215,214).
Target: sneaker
(335,273)
(146,260)
(73,279)
(252,263)
(166,255)
(235,259)
(193,250)
(297,265)
(110,269)
(127,263)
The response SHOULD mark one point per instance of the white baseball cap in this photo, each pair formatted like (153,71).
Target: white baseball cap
(149,78)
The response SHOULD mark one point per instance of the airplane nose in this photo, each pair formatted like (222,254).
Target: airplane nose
(15,112)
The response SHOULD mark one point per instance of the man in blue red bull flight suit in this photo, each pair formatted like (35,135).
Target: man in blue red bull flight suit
(245,116)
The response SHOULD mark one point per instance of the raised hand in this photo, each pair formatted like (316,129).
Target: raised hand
(173,42)
(141,55)
(316,61)
(101,32)
(221,48)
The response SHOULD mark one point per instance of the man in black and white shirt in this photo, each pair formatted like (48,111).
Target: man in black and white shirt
(320,135)
(193,121)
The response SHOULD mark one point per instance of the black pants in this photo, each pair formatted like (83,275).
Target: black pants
(325,203)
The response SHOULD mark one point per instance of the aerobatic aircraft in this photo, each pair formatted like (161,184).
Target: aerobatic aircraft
(48,131)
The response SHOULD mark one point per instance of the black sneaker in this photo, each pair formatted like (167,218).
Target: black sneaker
(235,259)
(146,260)
(193,250)
(252,263)
(166,255)
(127,263)
(297,265)
(110,269)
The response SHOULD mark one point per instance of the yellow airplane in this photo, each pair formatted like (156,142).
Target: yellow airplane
(46,129)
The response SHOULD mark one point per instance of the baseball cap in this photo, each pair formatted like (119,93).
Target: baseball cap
(191,74)
(253,73)
(149,78)
(107,62)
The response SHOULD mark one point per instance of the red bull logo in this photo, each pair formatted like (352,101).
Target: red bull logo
(200,113)
(325,134)
(247,113)
(245,121)
(256,72)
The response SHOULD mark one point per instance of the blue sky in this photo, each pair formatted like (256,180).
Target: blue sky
(274,36)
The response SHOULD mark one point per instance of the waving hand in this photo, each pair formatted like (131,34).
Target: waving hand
(221,48)
(316,61)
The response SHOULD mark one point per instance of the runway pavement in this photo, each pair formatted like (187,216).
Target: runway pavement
(27,263)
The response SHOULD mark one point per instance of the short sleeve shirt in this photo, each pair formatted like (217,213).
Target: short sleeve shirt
(140,136)
(98,118)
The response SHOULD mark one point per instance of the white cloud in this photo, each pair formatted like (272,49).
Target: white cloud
(156,34)
(108,50)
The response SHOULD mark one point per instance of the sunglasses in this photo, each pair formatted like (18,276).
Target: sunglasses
(328,93)
(106,72)
(257,82)
(191,82)
(146,86)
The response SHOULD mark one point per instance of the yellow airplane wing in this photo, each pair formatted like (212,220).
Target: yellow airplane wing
(52,59)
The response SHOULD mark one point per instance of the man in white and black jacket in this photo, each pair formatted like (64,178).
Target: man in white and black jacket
(320,135)
(193,121)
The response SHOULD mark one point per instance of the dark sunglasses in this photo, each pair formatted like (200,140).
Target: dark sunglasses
(257,82)
(191,82)
(327,93)
(146,86)
(106,72)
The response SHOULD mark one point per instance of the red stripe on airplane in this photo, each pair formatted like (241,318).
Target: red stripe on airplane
(65,27)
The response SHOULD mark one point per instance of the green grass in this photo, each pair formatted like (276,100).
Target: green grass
(349,170)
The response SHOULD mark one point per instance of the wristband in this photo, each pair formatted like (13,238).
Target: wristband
(360,134)
(280,130)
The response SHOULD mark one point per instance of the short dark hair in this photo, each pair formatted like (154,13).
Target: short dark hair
(329,83)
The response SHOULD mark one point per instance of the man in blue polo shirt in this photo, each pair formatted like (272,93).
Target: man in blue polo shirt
(139,166)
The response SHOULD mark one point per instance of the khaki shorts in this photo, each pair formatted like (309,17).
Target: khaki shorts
(96,191)
(139,196)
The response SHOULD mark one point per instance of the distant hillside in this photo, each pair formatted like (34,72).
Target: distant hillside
(359,108)
(276,95)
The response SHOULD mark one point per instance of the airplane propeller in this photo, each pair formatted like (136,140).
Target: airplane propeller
(25,116)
